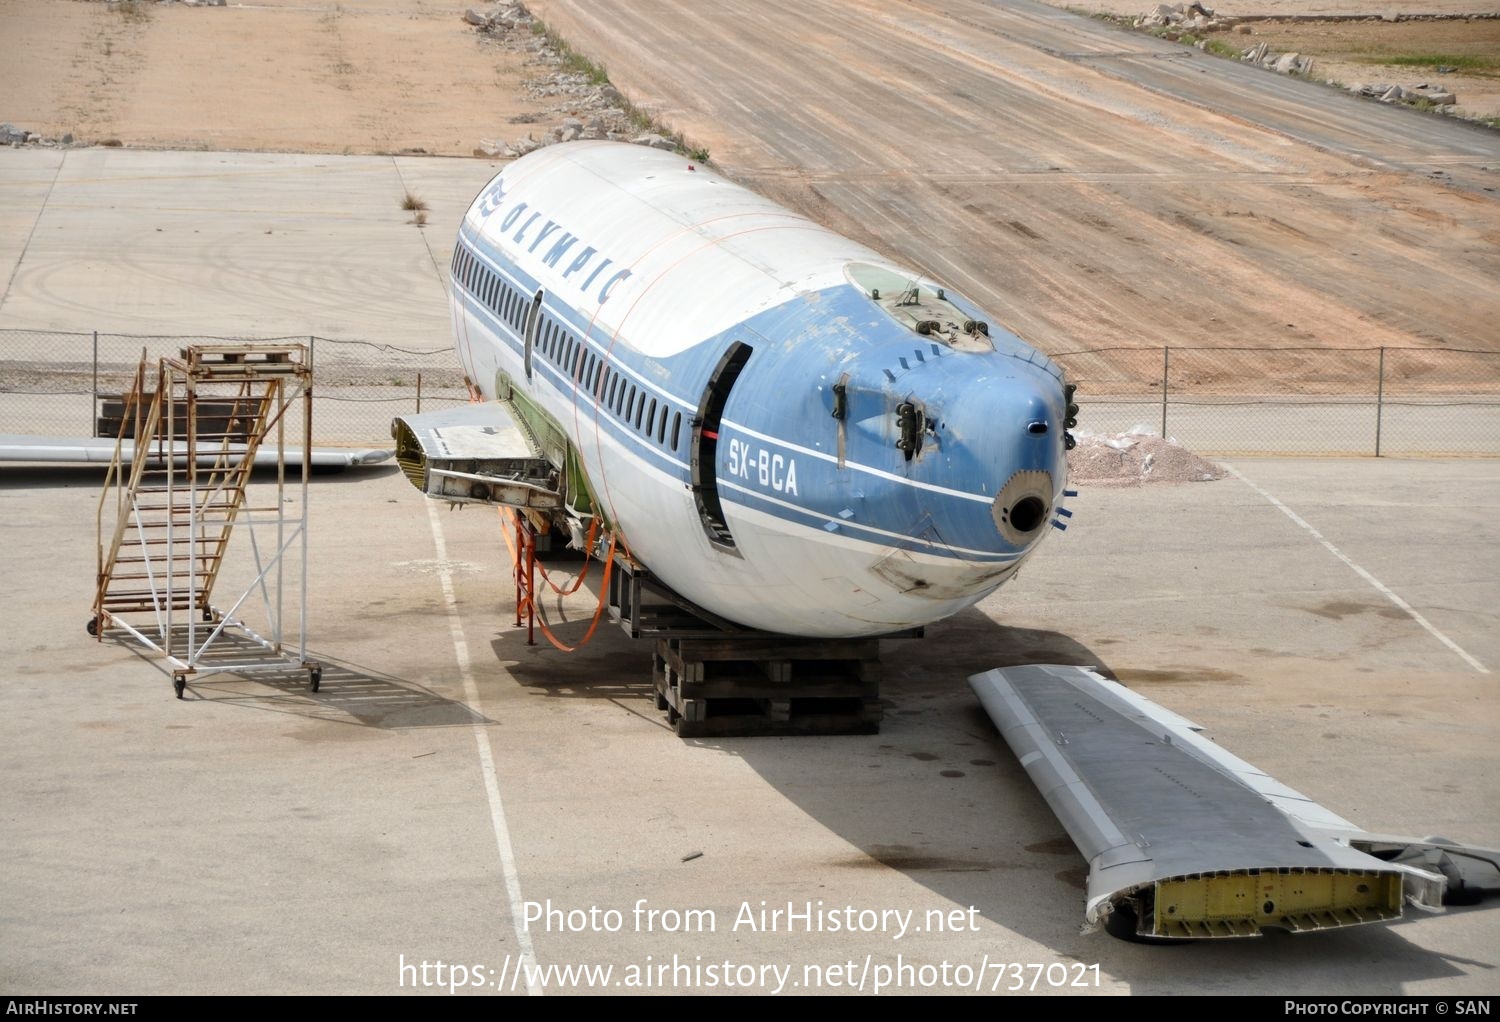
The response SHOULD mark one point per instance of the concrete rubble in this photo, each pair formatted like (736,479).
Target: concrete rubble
(1193,17)
(655,141)
(1283,63)
(580,105)
(1174,21)
(17,137)
(1434,95)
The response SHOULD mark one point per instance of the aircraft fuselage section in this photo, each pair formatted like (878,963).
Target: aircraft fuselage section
(758,423)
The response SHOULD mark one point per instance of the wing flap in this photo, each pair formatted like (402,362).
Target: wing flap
(475,454)
(1183,839)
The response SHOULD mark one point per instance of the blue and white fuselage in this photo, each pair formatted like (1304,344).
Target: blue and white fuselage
(785,427)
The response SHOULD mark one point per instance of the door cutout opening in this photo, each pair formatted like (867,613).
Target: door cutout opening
(705,472)
(533,320)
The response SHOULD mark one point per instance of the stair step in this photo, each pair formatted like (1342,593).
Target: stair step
(172,532)
(183,489)
(162,577)
(113,601)
(132,539)
(201,471)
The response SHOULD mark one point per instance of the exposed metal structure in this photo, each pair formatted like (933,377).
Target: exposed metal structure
(179,485)
(475,454)
(1185,841)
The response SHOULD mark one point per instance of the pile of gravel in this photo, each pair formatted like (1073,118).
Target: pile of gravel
(1134,459)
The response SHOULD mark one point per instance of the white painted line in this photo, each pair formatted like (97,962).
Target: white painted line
(486,760)
(40,211)
(1362,573)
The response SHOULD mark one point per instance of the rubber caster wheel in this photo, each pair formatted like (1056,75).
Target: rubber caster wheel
(179,683)
(93,626)
(315,678)
(208,616)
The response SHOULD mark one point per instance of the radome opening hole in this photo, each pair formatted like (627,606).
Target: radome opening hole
(1028,513)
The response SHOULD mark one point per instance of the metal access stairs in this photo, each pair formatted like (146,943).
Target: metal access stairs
(178,486)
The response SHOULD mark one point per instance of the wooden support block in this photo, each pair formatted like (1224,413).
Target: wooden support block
(729,688)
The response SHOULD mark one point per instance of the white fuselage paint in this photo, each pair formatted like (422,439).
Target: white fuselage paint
(670,267)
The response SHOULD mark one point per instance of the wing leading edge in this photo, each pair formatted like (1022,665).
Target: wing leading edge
(1187,841)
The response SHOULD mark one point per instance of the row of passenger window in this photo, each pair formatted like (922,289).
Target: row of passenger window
(632,405)
(498,296)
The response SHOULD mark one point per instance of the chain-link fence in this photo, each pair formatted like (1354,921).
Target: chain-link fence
(1327,401)
(71,384)
(1370,401)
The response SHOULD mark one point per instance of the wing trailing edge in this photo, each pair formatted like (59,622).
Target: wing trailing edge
(1186,841)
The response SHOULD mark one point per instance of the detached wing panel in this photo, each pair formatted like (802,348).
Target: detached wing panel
(1184,840)
(101,450)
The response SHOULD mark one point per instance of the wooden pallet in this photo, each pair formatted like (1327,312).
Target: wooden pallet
(216,418)
(740,687)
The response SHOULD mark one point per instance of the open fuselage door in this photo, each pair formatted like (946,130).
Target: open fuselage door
(705,473)
(533,319)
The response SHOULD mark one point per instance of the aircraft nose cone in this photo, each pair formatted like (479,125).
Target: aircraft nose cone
(1005,437)
(1021,508)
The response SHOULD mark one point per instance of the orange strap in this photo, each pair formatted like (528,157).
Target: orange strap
(588,554)
(528,600)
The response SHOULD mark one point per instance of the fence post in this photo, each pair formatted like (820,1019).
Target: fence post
(1379,399)
(312,365)
(419,393)
(1166,362)
(94,419)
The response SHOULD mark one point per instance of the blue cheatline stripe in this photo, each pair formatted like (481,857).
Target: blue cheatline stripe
(784,510)
(882,538)
(490,256)
(569,390)
(983,498)
(564,385)
(507,335)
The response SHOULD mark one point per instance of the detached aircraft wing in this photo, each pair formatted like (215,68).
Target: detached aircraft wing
(1186,841)
(101,450)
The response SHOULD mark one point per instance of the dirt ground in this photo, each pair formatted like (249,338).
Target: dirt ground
(1290,8)
(1110,214)
(1360,52)
(357,76)
(391,75)
(1104,214)
(1349,52)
